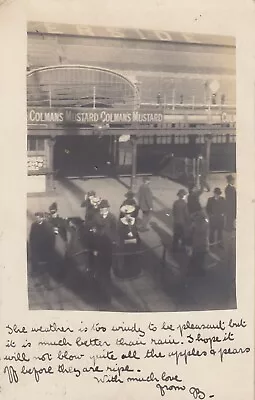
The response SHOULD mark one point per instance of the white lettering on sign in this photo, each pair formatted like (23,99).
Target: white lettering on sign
(190,38)
(140,34)
(53,28)
(149,117)
(163,35)
(92,117)
(85,30)
(116,32)
(35,116)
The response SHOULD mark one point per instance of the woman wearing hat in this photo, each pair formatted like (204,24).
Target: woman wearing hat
(180,220)
(216,210)
(129,241)
(130,201)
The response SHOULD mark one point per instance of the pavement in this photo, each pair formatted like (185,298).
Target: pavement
(157,288)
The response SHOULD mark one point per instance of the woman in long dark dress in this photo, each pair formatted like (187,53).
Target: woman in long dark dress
(129,243)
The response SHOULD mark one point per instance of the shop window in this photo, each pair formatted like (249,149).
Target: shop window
(31,145)
(158,139)
(40,144)
(35,144)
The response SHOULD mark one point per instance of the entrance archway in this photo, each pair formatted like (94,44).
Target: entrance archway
(81,87)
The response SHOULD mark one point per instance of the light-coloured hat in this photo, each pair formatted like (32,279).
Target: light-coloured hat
(127,209)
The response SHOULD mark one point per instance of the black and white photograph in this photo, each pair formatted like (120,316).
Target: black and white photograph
(131,169)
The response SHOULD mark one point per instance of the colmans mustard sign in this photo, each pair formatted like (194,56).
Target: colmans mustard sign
(53,116)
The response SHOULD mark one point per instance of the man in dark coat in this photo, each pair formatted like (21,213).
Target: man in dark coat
(198,240)
(60,228)
(42,247)
(101,239)
(58,223)
(216,210)
(193,200)
(230,195)
(180,220)
(145,202)
(106,221)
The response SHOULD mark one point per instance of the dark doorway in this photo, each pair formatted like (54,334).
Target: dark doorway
(78,156)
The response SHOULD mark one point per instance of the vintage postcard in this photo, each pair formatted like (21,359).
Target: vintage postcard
(128,215)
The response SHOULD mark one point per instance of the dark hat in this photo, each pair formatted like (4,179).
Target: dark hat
(104,204)
(217,191)
(53,207)
(91,193)
(39,214)
(130,194)
(230,178)
(182,192)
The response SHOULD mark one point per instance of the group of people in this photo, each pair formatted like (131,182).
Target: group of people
(196,229)
(101,231)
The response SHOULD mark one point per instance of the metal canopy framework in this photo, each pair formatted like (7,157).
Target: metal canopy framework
(80,86)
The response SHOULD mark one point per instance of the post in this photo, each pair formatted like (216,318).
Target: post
(173,99)
(50,155)
(134,162)
(50,96)
(208,142)
(94,97)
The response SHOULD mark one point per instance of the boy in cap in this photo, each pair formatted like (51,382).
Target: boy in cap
(230,195)
(216,210)
(180,219)
(145,202)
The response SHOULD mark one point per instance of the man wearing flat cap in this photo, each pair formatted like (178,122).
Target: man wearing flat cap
(230,195)
(180,220)
(216,211)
